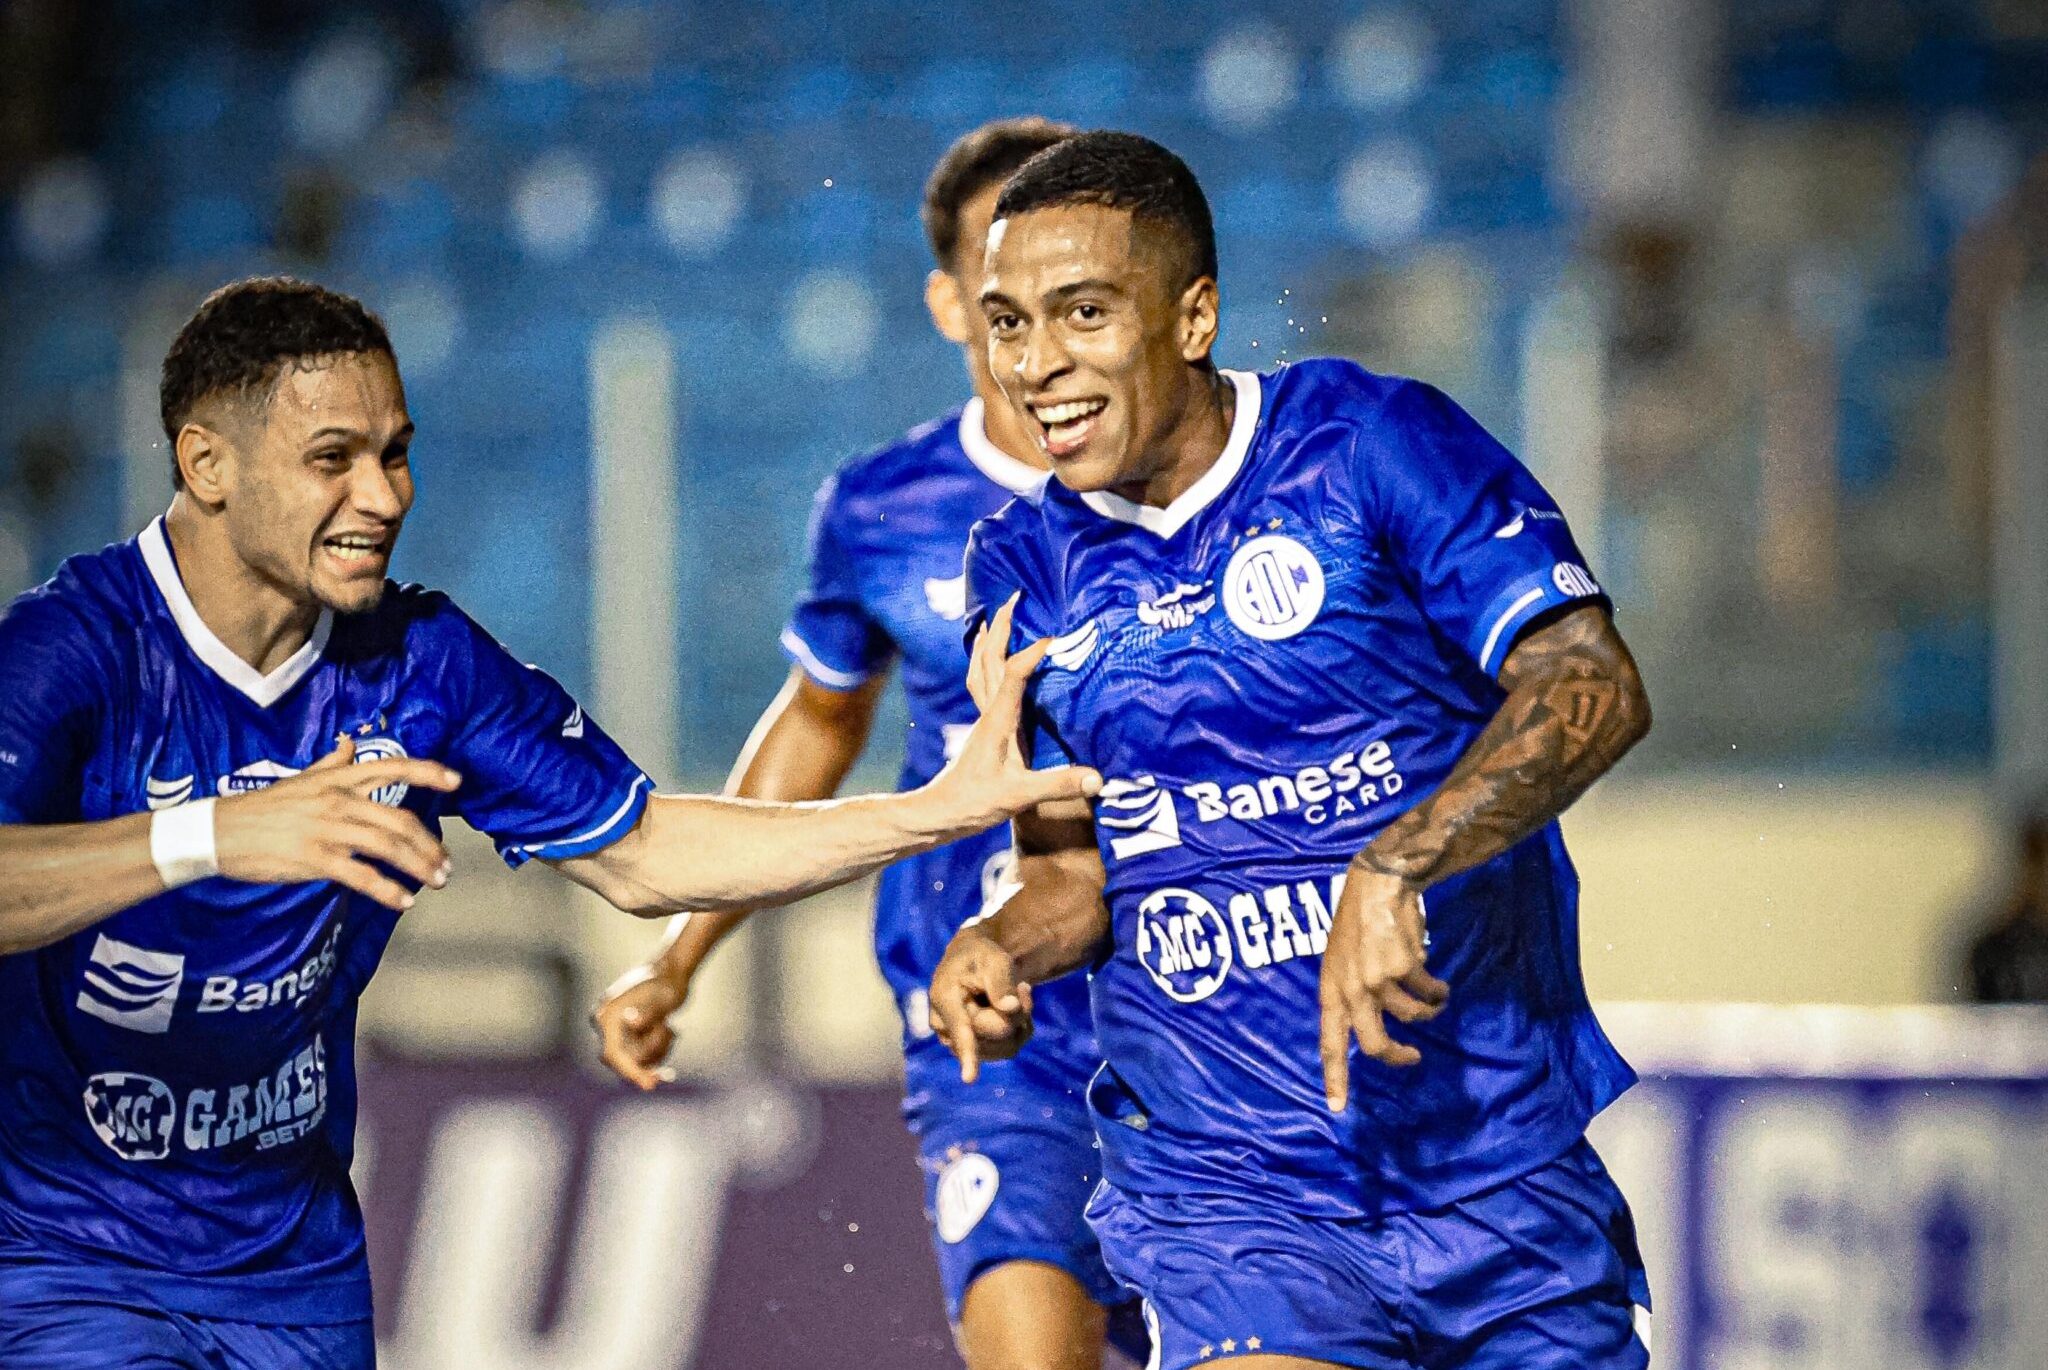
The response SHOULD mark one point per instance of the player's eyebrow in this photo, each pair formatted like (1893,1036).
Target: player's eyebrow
(1091,286)
(343,431)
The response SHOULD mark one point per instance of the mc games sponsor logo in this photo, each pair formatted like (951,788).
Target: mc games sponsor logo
(140,1117)
(1189,946)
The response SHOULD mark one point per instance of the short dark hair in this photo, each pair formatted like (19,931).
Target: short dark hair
(1119,171)
(244,333)
(978,161)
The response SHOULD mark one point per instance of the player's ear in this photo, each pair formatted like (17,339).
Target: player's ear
(949,310)
(1200,317)
(202,454)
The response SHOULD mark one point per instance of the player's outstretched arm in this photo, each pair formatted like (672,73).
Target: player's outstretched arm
(802,747)
(318,825)
(1575,704)
(1050,921)
(702,852)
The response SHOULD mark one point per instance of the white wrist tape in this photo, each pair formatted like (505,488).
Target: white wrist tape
(181,843)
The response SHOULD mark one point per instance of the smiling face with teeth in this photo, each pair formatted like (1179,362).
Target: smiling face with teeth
(1098,339)
(315,481)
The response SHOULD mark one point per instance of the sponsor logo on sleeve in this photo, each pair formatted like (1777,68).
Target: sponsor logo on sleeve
(131,986)
(1139,815)
(967,1186)
(1514,526)
(1273,587)
(947,598)
(1575,581)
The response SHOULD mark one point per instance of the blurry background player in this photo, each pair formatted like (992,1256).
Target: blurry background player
(177,1092)
(1007,1170)
(1332,647)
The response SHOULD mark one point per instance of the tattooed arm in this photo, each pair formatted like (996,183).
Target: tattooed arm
(1575,704)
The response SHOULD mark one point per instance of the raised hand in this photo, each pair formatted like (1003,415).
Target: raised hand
(1374,965)
(980,1008)
(322,825)
(991,777)
(632,1023)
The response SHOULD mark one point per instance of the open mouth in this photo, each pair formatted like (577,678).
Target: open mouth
(1068,424)
(358,549)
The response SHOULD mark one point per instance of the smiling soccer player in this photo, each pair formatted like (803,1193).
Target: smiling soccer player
(1337,653)
(196,883)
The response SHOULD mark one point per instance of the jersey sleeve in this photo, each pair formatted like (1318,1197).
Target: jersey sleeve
(830,633)
(992,577)
(1484,547)
(53,687)
(539,777)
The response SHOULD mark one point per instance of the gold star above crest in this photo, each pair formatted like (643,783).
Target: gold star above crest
(1252,1343)
(1252,531)
(1206,1352)
(1273,522)
(1229,1345)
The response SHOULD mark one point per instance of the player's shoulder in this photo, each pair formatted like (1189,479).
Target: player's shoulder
(91,603)
(1320,390)
(410,620)
(891,471)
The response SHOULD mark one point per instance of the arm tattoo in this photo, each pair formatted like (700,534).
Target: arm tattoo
(1575,704)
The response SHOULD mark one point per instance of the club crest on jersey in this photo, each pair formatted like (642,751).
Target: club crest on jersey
(967,1186)
(1179,609)
(1183,944)
(370,749)
(1273,587)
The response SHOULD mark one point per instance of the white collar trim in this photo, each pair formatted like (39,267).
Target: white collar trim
(1166,522)
(1018,477)
(263,690)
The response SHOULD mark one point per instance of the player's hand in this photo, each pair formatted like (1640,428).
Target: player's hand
(1374,965)
(991,779)
(980,1009)
(321,824)
(632,1021)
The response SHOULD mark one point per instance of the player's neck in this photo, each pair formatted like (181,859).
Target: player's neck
(251,616)
(1193,445)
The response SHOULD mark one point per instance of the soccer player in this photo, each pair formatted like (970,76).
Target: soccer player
(1007,1170)
(1339,660)
(225,750)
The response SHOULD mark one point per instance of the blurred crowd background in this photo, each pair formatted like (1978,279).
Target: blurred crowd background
(1756,286)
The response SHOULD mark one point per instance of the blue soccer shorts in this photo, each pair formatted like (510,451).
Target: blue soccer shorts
(1541,1273)
(1007,1178)
(51,1321)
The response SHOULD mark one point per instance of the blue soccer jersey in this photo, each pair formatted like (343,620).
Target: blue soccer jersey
(177,1095)
(888,535)
(1266,672)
